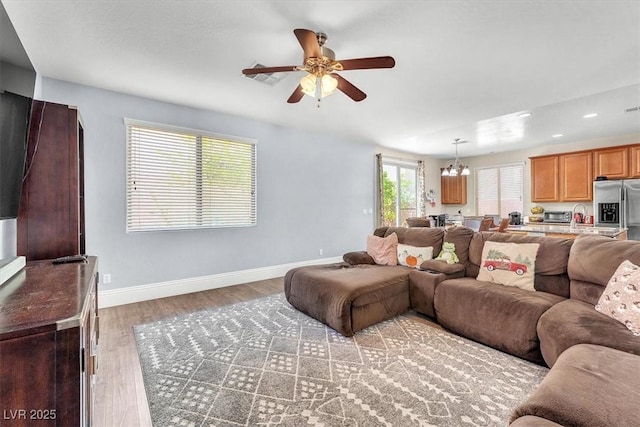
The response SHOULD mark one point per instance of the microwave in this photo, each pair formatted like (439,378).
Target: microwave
(558,216)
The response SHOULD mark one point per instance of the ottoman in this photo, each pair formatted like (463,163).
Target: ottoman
(346,297)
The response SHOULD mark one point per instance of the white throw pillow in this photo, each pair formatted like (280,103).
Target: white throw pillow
(413,256)
(621,298)
(509,264)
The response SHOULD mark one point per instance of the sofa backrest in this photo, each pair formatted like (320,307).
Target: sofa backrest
(461,237)
(592,262)
(551,260)
(415,236)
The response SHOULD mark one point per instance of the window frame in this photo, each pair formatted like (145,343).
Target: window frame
(403,164)
(199,135)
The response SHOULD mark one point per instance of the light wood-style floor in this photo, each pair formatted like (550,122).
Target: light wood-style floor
(120,399)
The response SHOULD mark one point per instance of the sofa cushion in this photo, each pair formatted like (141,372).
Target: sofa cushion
(460,237)
(441,266)
(348,298)
(413,256)
(418,236)
(509,264)
(502,317)
(383,250)
(590,385)
(621,298)
(589,273)
(572,322)
(551,260)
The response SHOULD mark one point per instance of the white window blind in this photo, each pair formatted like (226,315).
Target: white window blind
(184,179)
(499,190)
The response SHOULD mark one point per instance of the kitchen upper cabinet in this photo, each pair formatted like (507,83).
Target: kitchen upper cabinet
(634,154)
(453,190)
(611,162)
(576,176)
(544,179)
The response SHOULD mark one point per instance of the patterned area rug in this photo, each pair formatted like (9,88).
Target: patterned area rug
(263,363)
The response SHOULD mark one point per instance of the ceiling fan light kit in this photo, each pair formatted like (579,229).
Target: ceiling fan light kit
(457,168)
(320,65)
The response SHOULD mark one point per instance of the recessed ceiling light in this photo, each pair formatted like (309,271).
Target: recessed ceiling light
(525,115)
(590,115)
(557,135)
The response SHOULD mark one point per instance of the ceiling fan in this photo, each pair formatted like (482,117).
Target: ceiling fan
(320,64)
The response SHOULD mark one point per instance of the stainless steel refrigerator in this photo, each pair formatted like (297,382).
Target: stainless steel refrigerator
(617,204)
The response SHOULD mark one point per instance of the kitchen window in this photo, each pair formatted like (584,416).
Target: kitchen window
(499,189)
(181,178)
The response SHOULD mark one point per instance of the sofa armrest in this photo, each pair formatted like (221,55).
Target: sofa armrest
(441,266)
(422,288)
(360,257)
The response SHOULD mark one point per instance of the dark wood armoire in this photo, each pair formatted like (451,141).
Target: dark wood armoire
(51,219)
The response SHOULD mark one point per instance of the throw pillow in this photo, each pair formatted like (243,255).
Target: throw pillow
(509,264)
(383,249)
(621,298)
(413,256)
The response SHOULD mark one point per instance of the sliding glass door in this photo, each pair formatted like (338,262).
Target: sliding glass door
(399,183)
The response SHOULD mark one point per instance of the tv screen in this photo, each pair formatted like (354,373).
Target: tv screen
(15,111)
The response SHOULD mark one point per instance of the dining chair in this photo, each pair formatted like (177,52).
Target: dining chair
(485,224)
(504,223)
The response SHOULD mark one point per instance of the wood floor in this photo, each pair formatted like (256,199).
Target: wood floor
(120,398)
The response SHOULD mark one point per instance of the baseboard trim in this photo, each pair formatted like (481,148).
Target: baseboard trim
(128,295)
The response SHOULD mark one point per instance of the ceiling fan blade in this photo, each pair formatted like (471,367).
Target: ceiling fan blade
(262,70)
(309,42)
(368,63)
(296,96)
(350,90)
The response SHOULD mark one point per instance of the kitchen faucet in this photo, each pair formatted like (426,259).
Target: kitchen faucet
(573,213)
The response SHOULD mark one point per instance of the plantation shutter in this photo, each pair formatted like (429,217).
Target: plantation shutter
(184,179)
(499,190)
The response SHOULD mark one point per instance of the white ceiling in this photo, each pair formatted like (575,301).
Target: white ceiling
(464,69)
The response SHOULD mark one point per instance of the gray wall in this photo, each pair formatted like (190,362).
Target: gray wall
(312,190)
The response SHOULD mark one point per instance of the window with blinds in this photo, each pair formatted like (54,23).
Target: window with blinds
(499,189)
(185,179)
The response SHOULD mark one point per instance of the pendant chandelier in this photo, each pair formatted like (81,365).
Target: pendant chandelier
(457,168)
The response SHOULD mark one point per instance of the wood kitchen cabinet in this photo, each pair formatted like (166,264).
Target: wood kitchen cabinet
(611,162)
(576,176)
(545,179)
(453,190)
(49,333)
(51,216)
(634,155)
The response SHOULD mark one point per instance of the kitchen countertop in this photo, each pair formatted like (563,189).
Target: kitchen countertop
(566,229)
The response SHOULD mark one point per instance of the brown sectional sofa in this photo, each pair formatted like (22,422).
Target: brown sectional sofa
(557,324)
(574,321)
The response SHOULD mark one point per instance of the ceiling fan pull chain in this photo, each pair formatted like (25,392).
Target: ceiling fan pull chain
(318,90)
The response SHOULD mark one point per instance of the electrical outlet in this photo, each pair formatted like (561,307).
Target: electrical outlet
(106,278)
(320,252)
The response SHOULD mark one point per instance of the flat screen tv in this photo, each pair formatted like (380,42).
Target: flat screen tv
(15,112)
